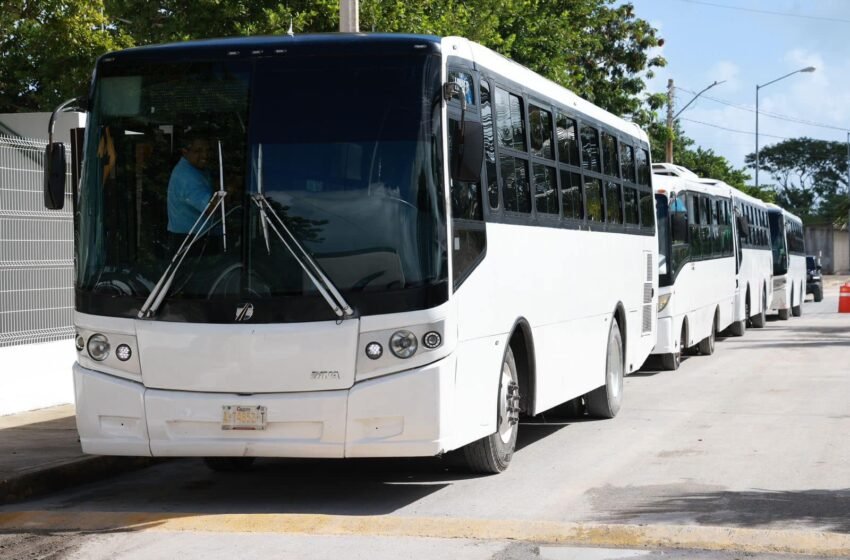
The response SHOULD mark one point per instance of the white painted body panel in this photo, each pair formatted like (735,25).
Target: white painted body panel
(755,269)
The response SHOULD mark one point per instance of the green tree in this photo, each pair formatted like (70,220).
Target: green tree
(596,48)
(48,48)
(810,177)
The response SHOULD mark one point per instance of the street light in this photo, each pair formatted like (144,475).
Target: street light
(758,87)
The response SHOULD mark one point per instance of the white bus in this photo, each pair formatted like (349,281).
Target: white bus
(789,261)
(406,242)
(697,274)
(753,287)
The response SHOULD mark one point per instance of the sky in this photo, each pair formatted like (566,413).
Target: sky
(739,42)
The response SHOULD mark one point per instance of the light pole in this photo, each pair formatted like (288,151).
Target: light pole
(758,87)
(668,151)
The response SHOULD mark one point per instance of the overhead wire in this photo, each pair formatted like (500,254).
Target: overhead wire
(768,12)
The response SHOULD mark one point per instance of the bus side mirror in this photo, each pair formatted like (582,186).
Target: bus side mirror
(743,226)
(54,176)
(468,153)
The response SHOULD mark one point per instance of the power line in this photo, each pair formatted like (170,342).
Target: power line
(735,130)
(777,116)
(768,12)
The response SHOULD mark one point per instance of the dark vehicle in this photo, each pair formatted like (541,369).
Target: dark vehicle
(814,280)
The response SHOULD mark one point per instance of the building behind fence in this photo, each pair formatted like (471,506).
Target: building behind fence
(36,250)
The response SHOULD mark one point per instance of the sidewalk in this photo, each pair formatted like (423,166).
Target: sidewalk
(40,452)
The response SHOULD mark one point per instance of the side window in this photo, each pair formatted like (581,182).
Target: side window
(489,145)
(540,122)
(612,203)
(630,205)
(643,170)
(464,79)
(627,162)
(510,120)
(610,157)
(516,194)
(647,209)
(571,195)
(593,196)
(468,232)
(590,148)
(545,189)
(567,140)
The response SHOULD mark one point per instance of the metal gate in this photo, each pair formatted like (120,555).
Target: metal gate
(36,250)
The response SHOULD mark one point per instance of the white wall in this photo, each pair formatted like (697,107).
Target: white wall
(841,251)
(36,375)
(34,125)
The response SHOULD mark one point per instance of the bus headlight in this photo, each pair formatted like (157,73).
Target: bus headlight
(403,344)
(663,300)
(98,347)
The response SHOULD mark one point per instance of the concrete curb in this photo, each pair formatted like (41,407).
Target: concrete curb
(66,473)
(741,540)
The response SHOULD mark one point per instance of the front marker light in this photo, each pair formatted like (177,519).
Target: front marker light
(374,350)
(432,339)
(80,342)
(663,300)
(123,352)
(98,347)
(403,344)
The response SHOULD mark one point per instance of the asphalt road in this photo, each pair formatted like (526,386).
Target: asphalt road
(739,452)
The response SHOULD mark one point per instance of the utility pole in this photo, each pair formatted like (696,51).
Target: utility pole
(668,150)
(349,16)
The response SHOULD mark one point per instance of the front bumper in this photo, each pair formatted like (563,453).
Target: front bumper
(399,415)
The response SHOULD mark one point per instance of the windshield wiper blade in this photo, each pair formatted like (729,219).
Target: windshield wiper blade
(311,268)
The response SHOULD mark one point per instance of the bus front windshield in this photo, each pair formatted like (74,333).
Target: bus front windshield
(346,151)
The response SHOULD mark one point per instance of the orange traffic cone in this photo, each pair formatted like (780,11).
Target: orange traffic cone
(844,298)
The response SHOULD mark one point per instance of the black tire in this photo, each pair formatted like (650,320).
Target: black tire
(605,401)
(818,293)
(229,464)
(671,361)
(492,454)
(797,310)
(783,314)
(738,328)
(760,320)
(706,345)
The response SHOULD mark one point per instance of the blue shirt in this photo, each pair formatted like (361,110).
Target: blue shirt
(189,191)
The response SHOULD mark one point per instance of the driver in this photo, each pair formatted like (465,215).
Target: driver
(189,188)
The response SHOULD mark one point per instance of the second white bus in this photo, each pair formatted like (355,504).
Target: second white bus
(789,262)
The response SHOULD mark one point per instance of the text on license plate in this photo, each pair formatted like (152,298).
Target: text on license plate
(235,417)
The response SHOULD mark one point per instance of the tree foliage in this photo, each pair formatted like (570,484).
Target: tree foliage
(596,48)
(810,177)
(48,49)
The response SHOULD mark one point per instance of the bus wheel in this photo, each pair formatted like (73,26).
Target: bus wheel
(797,310)
(492,454)
(706,345)
(671,361)
(760,319)
(604,402)
(229,464)
(783,314)
(738,328)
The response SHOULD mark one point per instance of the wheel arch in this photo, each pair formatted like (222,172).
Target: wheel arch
(521,342)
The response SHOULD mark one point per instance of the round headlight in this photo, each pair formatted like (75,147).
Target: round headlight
(374,350)
(98,347)
(80,342)
(123,352)
(432,339)
(403,344)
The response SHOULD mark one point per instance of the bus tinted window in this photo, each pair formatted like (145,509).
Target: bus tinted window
(610,158)
(630,205)
(627,162)
(612,203)
(464,80)
(510,120)
(515,192)
(567,140)
(489,145)
(540,121)
(647,212)
(593,196)
(590,148)
(571,195)
(643,170)
(545,189)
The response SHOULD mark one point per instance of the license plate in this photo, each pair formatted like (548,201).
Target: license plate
(243,417)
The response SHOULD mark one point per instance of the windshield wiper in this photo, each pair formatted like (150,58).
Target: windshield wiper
(311,268)
(199,228)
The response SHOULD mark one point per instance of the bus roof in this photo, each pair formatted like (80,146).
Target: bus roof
(776,208)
